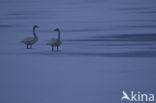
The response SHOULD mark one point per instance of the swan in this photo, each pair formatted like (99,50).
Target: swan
(31,40)
(55,42)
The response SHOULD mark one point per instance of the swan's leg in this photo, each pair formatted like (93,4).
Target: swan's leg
(30,46)
(27,46)
(57,48)
(52,48)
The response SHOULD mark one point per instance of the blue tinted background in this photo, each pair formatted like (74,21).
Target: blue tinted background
(107,46)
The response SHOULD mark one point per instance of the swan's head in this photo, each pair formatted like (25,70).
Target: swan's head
(57,29)
(35,26)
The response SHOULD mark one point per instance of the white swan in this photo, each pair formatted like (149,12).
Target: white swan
(31,40)
(55,42)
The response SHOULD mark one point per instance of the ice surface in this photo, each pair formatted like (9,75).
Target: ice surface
(108,46)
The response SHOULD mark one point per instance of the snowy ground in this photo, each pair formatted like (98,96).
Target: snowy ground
(108,46)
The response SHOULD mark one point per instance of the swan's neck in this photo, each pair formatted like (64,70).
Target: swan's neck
(59,35)
(34,33)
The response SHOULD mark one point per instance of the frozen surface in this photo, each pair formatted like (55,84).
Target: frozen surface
(108,46)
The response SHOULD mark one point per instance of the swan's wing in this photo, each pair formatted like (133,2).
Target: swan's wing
(52,41)
(28,39)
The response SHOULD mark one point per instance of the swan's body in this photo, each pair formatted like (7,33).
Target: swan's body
(55,42)
(31,40)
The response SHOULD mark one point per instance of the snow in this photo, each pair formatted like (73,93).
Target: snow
(95,62)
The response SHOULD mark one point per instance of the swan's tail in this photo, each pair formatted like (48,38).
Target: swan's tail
(22,41)
(47,44)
